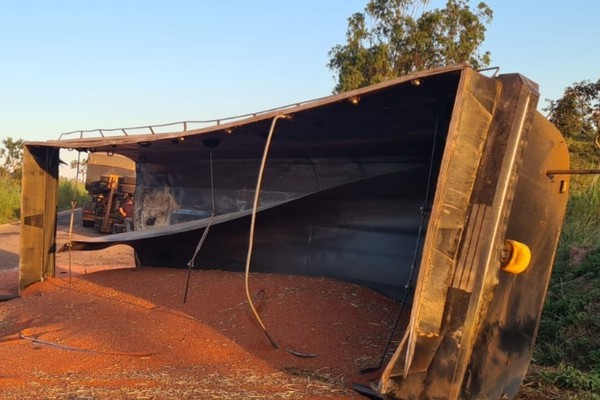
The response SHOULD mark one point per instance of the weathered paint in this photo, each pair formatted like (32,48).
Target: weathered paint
(38,214)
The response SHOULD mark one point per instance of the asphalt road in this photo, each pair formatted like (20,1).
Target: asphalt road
(9,260)
(83,262)
(9,247)
(9,237)
(64,218)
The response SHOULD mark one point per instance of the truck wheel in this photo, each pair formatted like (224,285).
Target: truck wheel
(98,223)
(118,228)
(126,188)
(129,180)
(94,186)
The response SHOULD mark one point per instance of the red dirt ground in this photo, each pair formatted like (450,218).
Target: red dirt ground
(116,332)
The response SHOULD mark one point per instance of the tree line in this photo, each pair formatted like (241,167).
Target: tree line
(11,154)
(391,38)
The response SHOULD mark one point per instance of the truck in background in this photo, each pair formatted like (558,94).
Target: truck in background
(110,181)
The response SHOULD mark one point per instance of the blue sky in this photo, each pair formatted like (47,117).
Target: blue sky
(69,65)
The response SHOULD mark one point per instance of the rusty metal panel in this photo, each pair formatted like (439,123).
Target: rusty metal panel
(469,128)
(355,176)
(174,193)
(436,359)
(361,228)
(38,214)
(502,350)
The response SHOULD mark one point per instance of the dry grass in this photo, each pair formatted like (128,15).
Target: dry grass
(291,383)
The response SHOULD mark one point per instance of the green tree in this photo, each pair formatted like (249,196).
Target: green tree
(577,115)
(12,154)
(82,165)
(395,37)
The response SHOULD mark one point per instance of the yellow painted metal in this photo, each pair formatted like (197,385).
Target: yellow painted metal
(113,182)
(520,257)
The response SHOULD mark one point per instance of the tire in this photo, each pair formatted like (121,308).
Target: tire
(129,180)
(98,223)
(94,187)
(118,228)
(126,188)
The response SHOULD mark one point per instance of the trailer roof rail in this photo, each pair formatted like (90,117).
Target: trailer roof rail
(153,129)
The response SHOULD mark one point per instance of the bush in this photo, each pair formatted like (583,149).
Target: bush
(10,199)
(568,377)
(68,191)
(10,196)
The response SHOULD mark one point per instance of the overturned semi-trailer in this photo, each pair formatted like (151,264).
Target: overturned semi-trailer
(433,188)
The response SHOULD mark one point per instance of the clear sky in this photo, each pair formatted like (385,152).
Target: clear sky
(70,65)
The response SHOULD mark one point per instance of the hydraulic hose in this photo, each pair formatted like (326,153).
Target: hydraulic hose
(261,171)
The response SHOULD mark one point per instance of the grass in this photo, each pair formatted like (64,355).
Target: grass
(68,191)
(562,382)
(568,377)
(582,222)
(567,354)
(570,324)
(10,197)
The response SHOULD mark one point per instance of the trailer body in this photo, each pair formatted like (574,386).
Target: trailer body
(418,187)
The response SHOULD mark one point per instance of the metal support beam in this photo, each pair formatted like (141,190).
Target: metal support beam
(38,214)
